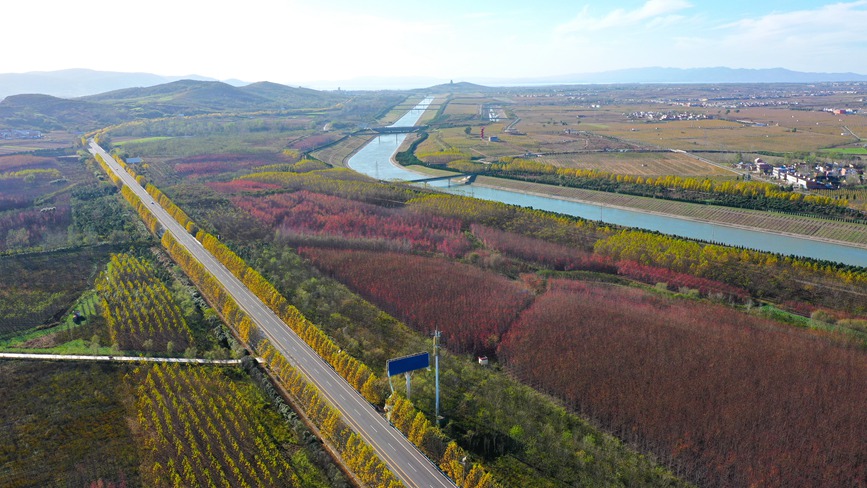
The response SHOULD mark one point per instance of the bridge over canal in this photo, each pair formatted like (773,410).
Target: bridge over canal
(399,129)
(458,179)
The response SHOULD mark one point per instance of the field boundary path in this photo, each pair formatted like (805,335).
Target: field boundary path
(403,458)
(124,359)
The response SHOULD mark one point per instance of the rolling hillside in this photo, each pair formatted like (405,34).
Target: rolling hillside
(44,112)
(183,97)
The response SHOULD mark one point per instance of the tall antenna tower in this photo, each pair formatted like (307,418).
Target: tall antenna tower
(436,344)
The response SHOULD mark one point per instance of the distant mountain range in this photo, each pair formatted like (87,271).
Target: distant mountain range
(140,95)
(70,83)
(625,76)
(184,97)
(74,83)
(702,75)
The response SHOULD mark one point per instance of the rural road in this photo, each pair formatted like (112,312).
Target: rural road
(401,456)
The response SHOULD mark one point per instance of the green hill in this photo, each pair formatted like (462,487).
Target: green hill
(44,112)
(459,87)
(184,97)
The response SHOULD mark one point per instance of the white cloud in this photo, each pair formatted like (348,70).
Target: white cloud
(837,20)
(294,41)
(652,13)
(827,38)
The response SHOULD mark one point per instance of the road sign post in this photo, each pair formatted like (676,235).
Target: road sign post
(406,365)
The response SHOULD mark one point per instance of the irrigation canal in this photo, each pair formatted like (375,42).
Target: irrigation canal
(375,160)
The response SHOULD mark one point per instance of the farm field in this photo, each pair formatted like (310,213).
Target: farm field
(51,203)
(59,432)
(390,280)
(640,163)
(37,289)
(52,140)
(178,147)
(784,223)
(819,122)
(238,440)
(848,150)
(130,292)
(472,145)
(572,123)
(722,133)
(124,427)
(303,216)
(567,133)
(465,106)
(857,197)
(433,109)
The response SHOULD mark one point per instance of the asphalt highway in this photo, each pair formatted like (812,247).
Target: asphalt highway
(402,457)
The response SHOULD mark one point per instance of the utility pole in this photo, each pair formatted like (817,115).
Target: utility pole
(436,344)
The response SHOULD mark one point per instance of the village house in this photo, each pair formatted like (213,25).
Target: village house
(780,172)
(804,182)
(762,167)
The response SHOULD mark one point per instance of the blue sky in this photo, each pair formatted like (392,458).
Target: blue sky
(324,42)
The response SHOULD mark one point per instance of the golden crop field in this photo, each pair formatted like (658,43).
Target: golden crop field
(748,129)
(464,106)
(762,130)
(473,144)
(641,163)
(720,135)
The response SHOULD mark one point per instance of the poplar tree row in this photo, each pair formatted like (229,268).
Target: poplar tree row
(170,207)
(748,193)
(146,215)
(138,308)
(765,275)
(452,459)
(211,288)
(354,371)
(193,436)
(357,454)
(102,164)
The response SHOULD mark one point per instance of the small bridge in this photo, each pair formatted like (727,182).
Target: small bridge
(398,130)
(459,179)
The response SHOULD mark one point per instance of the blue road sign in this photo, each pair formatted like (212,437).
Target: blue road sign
(408,363)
